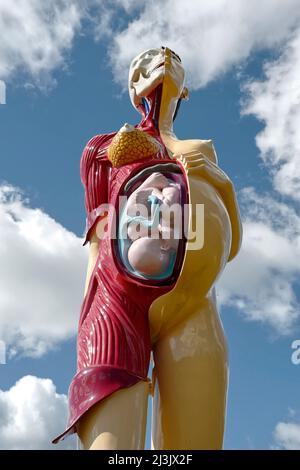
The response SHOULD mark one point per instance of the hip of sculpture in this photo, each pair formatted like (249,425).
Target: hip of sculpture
(153,264)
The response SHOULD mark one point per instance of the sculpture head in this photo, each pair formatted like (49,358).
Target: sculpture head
(152,68)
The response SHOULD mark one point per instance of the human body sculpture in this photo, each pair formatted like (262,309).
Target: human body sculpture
(151,294)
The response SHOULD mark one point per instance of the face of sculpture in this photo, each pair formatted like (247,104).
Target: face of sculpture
(151,68)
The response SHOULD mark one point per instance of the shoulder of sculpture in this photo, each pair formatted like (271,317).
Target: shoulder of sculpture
(209,150)
(206,146)
(203,146)
(97,143)
(94,153)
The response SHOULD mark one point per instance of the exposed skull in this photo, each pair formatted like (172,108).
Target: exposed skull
(150,68)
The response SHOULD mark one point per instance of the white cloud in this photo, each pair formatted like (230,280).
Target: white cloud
(261,281)
(211,37)
(276,102)
(32,413)
(287,436)
(36,35)
(41,276)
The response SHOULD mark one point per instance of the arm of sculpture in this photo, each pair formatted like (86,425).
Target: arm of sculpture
(94,241)
(93,253)
(94,178)
(197,164)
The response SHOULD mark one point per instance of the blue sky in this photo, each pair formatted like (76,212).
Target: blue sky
(245,96)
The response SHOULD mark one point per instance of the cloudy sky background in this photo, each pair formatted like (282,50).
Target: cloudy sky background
(65,66)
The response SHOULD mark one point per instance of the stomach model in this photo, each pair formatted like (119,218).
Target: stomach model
(151,226)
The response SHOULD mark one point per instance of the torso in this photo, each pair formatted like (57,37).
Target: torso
(190,285)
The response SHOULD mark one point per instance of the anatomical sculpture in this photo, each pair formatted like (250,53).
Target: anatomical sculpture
(150,287)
